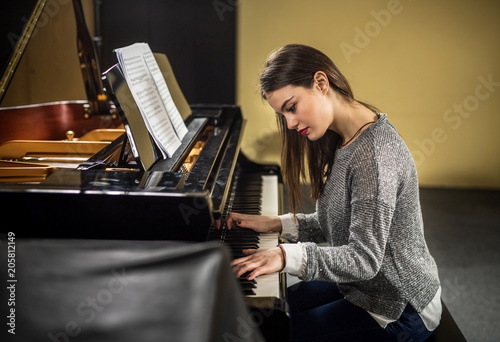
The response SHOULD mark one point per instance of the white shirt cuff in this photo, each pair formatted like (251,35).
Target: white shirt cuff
(296,259)
(289,226)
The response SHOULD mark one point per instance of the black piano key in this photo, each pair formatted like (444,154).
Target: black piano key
(248,292)
(243,278)
(237,255)
(247,286)
(240,248)
(241,236)
(241,242)
(243,232)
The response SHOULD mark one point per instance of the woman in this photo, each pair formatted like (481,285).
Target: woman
(367,272)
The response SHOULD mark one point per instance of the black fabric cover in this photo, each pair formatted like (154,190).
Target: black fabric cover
(102,290)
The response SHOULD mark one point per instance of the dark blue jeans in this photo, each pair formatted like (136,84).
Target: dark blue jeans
(319,312)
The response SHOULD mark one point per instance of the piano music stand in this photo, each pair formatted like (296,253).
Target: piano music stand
(144,149)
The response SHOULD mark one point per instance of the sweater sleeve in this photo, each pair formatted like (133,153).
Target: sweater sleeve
(289,227)
(309,228)
(296,257)
(361,257)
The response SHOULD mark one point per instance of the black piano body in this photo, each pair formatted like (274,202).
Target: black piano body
(113,202)
(111,196)
(107,201)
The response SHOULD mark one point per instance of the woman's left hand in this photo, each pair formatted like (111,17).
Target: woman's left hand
(259,262)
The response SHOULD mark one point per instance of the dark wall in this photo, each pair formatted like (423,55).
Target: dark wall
(199,40)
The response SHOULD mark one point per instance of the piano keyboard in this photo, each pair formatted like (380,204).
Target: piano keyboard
(258,195)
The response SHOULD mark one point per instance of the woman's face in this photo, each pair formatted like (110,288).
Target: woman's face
(306,110)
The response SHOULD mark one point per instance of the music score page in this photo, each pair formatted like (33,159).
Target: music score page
(152,96)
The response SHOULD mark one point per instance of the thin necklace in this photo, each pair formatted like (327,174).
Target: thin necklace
(356,134)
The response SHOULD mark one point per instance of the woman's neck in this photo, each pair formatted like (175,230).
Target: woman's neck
(350,120)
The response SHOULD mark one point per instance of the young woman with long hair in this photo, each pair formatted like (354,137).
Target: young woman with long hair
(367,272)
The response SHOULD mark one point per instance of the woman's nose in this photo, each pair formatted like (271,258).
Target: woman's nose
(291,122)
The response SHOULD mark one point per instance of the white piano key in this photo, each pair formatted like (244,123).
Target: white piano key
(270,201)
(267,284)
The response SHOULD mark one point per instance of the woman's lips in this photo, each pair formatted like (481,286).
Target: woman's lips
(303,131)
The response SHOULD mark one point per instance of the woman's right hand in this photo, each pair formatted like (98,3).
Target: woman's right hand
(259,223)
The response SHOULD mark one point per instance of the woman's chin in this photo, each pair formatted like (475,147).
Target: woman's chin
(313,137)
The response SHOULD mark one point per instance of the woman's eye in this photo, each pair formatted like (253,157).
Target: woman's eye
(292,108)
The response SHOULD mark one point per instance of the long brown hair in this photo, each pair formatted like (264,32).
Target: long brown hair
(295,65)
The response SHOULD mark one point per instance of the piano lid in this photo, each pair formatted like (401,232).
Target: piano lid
(15,33)
(46,51)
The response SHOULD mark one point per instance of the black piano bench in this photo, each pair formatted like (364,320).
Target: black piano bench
(448,330)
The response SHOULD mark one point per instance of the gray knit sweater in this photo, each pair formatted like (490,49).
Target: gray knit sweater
(370,214)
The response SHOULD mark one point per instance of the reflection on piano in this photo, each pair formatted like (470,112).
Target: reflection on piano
(103,191)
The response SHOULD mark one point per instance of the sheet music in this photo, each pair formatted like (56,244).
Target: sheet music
(161,84)
(132,60)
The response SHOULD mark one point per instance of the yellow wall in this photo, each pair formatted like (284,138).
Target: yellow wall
(432,66)
(423,62)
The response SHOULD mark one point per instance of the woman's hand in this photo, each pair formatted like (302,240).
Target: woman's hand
(258,262)
(259,223)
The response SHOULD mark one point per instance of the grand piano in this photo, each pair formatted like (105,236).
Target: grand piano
(94,186)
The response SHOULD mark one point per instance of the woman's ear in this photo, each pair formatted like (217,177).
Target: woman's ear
(321,82)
